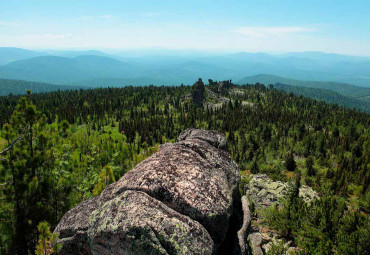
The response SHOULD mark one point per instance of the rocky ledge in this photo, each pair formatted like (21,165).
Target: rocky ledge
(263,192)
(182,200)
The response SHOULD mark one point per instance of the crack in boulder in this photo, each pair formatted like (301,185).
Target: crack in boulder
(180,200)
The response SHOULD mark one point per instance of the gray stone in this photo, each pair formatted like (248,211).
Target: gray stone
(178,201)
(293,251)
(264,192)
(214,138)
(255,240)
(72,228)
(267,247)
(244,231)
(115,228)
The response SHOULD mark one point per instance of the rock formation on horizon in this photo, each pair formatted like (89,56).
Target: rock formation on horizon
(222,85)
(184,199)
(198,93)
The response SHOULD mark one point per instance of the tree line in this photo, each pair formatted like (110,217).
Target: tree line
(66,146)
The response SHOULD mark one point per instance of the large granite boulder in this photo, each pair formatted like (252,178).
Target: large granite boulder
(73,228)
(135,223)
(212,137)
(180,200)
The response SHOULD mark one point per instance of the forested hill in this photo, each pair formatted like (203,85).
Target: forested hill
(78,142)
(341,88)
(327,96)
(345,89)
(343,94)
(17,87)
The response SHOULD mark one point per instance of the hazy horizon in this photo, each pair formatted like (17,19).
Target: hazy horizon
(172,52)
(208,26)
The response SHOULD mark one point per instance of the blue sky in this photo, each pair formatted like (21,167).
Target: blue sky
(246,25)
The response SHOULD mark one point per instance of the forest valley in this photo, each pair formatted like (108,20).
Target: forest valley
(60,148)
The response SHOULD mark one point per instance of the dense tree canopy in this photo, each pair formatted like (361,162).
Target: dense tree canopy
(67,146)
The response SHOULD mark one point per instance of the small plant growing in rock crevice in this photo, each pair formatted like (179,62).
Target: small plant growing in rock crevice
(244,181)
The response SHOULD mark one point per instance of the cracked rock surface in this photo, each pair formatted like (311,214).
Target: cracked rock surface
(178,201)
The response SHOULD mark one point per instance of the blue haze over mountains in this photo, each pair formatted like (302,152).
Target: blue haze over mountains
(161,67)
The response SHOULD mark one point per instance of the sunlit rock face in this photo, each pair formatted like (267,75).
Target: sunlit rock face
(180,200)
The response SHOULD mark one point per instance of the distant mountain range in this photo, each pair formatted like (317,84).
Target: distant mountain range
(19,87)
(62,70)
(8,55)
(76,67)
(341,88)
(317,75)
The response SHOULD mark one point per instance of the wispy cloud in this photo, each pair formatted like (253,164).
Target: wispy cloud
(154,14)
(100,17)
(85,17)
(107,16)
(56,36)
(272,31)
(9,24)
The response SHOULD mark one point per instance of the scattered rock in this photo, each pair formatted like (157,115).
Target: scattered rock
(267,247)
(265,192)
(214,101)
(293,251)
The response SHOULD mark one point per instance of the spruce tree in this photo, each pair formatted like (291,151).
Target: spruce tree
(309,166)
(290,163)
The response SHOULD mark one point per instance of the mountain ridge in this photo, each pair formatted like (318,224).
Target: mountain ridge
(18,87)
(68,67)
(340,87)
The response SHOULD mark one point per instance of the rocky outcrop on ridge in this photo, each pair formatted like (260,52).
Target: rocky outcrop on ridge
(181,200)
(198,93)
(225,85)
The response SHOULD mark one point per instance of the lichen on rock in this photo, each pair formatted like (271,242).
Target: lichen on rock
(178,201)
(116,228)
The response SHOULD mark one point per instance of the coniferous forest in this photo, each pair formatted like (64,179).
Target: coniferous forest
(60,148)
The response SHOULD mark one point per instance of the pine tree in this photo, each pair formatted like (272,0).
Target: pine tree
(293,204)
(46,244)
(254,167)
(106,177)
(290,163)
(309,166)
(27,161)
